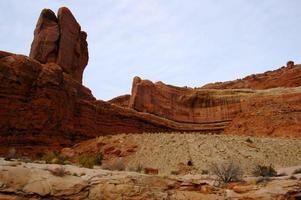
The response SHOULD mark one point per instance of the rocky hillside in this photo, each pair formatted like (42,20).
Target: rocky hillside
(169,152)
(289,76)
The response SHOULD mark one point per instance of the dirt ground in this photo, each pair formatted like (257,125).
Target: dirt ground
(165,151)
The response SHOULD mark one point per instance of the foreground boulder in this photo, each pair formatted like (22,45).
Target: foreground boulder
(60,40)
(34,181)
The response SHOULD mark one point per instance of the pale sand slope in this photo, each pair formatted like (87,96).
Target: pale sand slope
(166,150)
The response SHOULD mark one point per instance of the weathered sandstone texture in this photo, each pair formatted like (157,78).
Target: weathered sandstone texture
(28,181)
(255,112)
(43,107)
(60,40)
(289,76)
(122,100)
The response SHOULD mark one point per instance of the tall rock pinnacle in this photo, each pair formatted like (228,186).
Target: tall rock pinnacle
(60,40)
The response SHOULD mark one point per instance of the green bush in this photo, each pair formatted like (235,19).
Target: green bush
(265,171)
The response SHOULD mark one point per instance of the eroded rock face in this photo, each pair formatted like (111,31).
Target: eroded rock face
(60,40)
(122,100)
(289,76)
(42,107)
(46,35)
(246,111)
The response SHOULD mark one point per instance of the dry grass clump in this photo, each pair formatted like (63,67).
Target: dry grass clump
(54,158)
(88,161)
(264,171)
(226,172)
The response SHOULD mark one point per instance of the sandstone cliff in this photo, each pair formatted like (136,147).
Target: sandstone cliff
(253,112)
(289,76)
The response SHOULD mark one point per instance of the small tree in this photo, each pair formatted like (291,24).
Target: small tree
(226,171)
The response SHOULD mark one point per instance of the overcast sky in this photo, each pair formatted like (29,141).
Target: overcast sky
(179,42)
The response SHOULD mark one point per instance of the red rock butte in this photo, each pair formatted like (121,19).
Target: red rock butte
(60,40)
(44,106)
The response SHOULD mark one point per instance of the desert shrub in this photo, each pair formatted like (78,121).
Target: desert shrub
(59,171)
(226,172)
(117,165)
(11,154)
(98,159)
(87,161)
(265,171)
(54,158)
(297,171)
(175,172)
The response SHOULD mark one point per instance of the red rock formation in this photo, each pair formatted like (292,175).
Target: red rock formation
(122,100)
(246,111)
(60,40)
(46,35)
(42,107)
(289,76)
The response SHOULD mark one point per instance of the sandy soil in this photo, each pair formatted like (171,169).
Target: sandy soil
(166,150)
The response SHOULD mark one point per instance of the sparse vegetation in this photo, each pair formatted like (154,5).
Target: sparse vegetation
(226,172)
(174,172)
(88,160)
(265,171)
(98,159)
(297,171)
(54,158)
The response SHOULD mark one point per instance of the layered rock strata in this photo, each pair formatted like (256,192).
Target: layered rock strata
(246,111)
